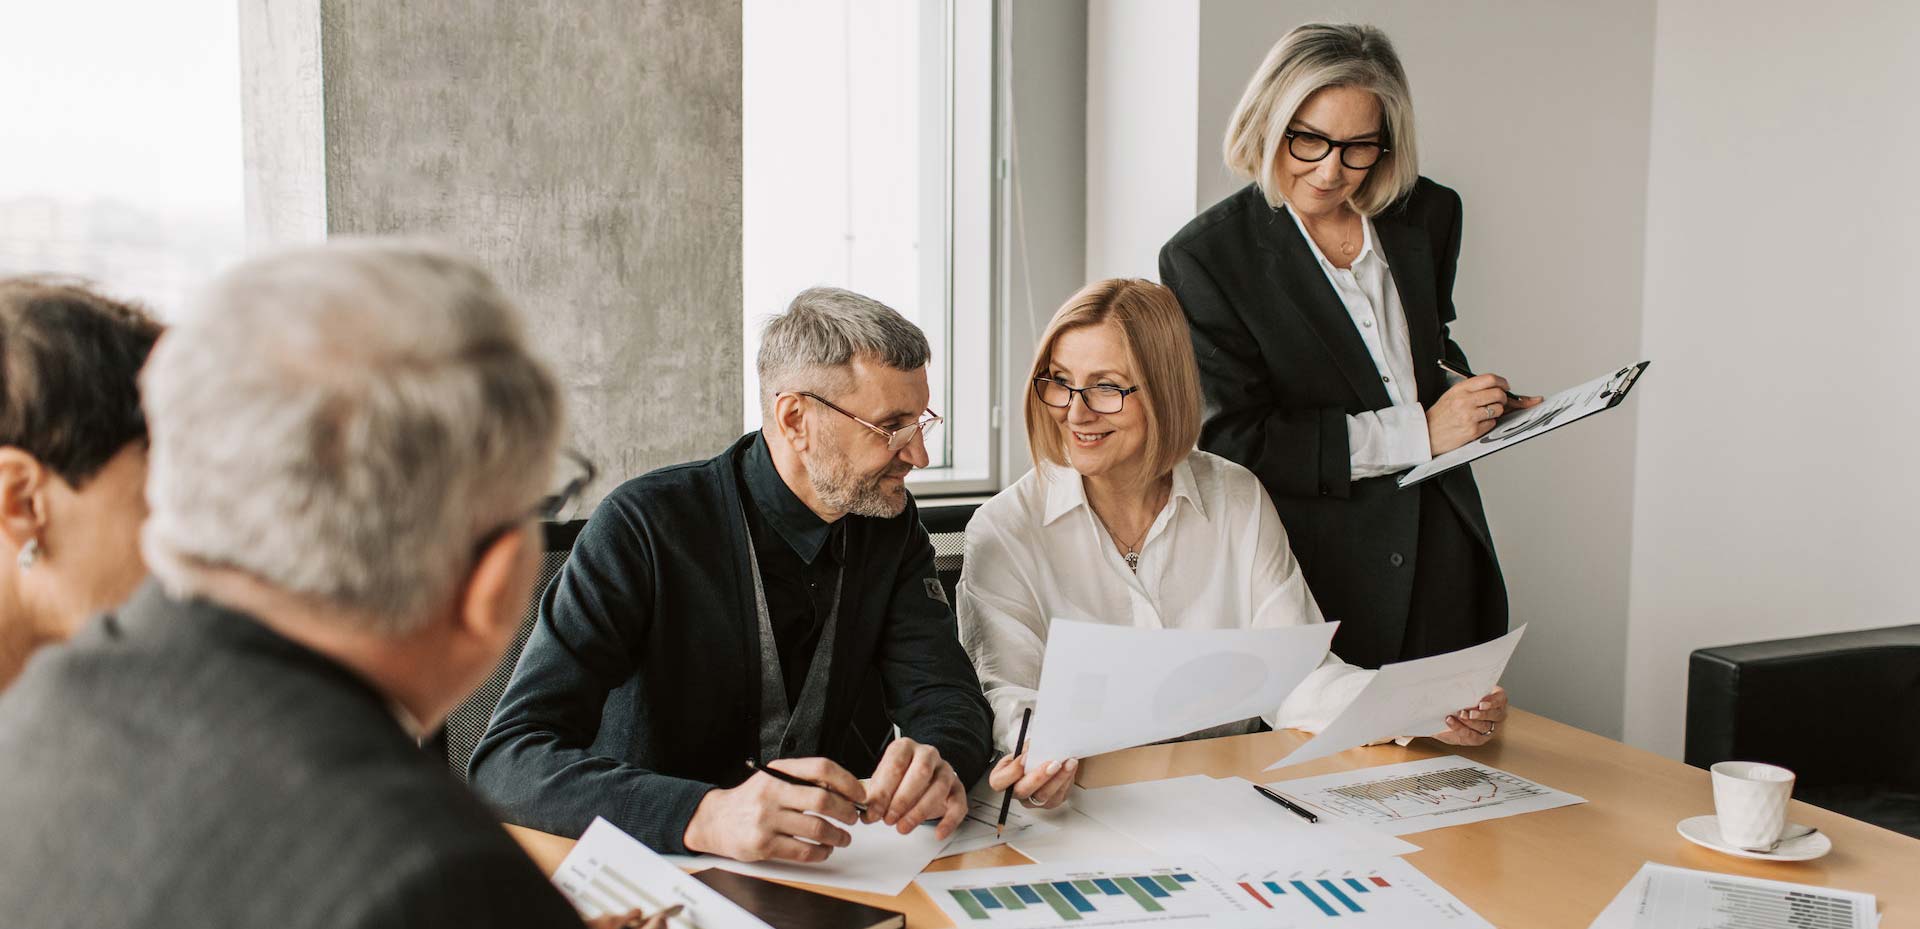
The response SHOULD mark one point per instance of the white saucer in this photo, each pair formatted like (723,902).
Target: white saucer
(1704,831)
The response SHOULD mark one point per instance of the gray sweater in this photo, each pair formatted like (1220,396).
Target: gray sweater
(179,764)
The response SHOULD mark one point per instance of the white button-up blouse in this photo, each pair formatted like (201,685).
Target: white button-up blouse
(1215,558)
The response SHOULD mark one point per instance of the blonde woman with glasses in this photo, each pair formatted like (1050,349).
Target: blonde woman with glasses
(1122,521)
(1320,297)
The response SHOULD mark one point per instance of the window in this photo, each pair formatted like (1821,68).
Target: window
(868,158)
(120,145)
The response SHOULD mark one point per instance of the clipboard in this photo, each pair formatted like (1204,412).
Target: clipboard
(1568,406)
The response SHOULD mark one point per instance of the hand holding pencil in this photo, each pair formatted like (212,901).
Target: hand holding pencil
(1044,787)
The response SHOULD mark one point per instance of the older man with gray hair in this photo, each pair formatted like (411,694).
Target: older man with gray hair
(348,444)
(777,603)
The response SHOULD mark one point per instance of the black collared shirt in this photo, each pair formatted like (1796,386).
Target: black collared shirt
(800,558)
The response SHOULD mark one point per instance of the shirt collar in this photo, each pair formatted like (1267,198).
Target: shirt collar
(1366,241)
(802,529)
(1066,489)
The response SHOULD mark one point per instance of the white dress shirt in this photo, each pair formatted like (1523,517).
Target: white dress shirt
(1394,439)
(1215,558)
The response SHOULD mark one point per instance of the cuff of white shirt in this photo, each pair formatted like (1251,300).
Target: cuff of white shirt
(1406,428)
(1388,441)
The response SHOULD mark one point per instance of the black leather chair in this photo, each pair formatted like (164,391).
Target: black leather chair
(468,721)
(1842,711)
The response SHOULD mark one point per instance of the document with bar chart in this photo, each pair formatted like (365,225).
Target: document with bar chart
(1090,894)
(1389,892)
(1419,795)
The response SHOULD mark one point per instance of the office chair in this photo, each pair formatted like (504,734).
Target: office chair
(468,722)
(1842,711)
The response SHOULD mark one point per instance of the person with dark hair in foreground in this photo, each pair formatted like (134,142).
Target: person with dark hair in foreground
(73,460)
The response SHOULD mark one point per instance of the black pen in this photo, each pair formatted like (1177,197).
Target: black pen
(779,775)
(1006,802)
(1289,804)
(1450,368)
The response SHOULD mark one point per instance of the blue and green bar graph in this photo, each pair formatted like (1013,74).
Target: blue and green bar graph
(1072,900)
(1323,894)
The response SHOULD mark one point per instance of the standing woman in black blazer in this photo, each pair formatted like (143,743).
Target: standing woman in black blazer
(1320,296)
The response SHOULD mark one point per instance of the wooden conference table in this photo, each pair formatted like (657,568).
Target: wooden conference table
(1544,870)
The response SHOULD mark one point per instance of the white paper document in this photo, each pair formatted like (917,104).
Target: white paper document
(1570,405)
(983,815)
(1663,897)
(1099,892)
(610,872)
(1411,698)
(1104,688)
(879,860)
(1415,796)
(1380,893)
(1077,836)
(1226,819)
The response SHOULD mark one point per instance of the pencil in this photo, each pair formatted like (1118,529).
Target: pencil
(1006,802)
(779,775)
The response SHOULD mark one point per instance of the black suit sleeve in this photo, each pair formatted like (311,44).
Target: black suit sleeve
(536,764)
(932,692)
(1296,452)
(473,889)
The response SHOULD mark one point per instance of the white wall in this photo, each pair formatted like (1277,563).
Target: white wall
(1538,115)
(1779,421)
(1142,68)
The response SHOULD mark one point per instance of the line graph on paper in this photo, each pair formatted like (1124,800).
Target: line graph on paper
(1421,795)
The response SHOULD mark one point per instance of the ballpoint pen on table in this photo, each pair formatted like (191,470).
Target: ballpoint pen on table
(1289,804)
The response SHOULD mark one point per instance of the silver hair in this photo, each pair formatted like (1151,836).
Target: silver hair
(810,345)
(344,422)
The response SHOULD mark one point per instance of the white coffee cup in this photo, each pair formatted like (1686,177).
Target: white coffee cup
(1750,801)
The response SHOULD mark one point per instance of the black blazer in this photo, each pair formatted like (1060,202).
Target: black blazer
(1282,366)
(639,689)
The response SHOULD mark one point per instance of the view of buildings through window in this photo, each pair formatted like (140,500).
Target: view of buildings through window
(120,147)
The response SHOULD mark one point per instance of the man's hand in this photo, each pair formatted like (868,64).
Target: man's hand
(1044,787)
(768,818)
(913,784)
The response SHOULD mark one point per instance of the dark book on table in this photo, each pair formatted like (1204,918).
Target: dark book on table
(784,907)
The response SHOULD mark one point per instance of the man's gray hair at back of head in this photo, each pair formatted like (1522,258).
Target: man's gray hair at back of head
(810,345)
(343,423)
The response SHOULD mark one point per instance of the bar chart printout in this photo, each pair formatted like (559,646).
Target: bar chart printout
(1089,894)
(1419,795)
(611,872)
(1386,893)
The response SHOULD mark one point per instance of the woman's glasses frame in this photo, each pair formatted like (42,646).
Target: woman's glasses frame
(1086,394)
(1295,137)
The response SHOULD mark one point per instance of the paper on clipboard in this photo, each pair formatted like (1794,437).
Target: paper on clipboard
(1570,405)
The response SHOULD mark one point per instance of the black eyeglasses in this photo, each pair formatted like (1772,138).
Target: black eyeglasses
(551,505)
(897,439)
(1100,398)
(1312,146)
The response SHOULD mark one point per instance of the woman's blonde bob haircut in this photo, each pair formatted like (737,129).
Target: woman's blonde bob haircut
(1309,58)
(1160,354)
